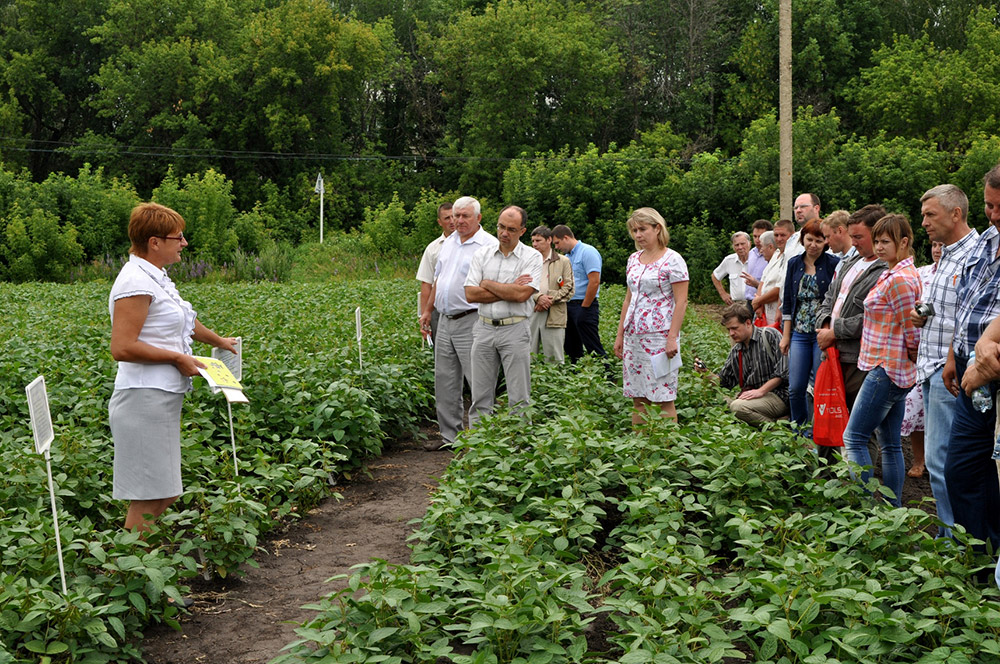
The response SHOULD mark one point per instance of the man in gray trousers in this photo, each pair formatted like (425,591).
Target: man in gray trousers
(453,346)
(502,280)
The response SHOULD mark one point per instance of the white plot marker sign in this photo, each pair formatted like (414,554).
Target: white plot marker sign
(233,362)
(41,428)
(357,327)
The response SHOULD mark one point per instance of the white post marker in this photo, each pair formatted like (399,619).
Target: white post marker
(357,327)
(420,312)
(320,189)
(233,362)
(41,428)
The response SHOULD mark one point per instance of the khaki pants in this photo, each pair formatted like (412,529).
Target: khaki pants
(768,408)
(551,339)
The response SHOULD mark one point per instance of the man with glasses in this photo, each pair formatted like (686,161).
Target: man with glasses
(806,208)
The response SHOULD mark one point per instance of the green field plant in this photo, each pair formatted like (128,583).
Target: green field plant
(313,419)
(567,537)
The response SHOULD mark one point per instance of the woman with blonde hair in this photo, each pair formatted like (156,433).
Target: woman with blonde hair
(648,339)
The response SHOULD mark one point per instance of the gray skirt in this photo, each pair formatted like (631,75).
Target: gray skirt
(146,429)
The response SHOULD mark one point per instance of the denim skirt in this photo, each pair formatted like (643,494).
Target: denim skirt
(146,429)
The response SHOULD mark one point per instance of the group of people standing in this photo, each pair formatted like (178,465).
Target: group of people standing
(919,349)
(488,302)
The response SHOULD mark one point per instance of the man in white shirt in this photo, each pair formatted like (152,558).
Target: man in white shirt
(502,278)
(806,208)
(453,348)
(732,267)
(425,272)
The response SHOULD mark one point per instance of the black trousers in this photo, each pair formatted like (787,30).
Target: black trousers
(582,330)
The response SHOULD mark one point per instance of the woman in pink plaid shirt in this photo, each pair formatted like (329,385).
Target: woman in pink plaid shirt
(888,353)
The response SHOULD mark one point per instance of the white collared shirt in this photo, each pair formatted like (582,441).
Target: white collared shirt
(732,267)
(425,271)
(490,263)
(168,325)
(793,247)
(452,268)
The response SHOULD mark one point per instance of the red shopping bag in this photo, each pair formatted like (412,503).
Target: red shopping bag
(830,406)
(761,321)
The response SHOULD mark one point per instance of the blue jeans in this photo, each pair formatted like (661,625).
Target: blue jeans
(803,361)
(970,473)
(880,405)
(939,411)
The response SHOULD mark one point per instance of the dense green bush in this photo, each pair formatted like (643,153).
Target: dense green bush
(206,203)
(36,247)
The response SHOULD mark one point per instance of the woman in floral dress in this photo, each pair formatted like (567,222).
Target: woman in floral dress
(648,339)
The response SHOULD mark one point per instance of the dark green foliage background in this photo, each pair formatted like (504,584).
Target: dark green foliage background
(578,111)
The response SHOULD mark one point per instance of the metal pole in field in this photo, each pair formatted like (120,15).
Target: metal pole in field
(232,438)
(320,189)
(55,522)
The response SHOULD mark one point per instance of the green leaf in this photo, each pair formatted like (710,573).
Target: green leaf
(781,629)
(381,633)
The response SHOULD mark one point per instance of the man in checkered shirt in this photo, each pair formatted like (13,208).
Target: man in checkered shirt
(970,473)
(945,212)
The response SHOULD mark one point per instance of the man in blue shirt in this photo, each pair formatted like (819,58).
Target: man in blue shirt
(583,311)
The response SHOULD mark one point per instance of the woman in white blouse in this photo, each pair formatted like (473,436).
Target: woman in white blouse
(151,332)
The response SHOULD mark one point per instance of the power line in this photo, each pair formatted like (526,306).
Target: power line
(18,144)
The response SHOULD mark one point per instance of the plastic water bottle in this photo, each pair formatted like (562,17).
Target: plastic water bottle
(981,396)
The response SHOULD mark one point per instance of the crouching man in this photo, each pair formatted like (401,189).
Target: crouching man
(757,366)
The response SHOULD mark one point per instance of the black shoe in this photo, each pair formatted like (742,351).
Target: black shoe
(435,445)
(185,603)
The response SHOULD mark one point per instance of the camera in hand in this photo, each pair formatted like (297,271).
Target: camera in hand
(925,309)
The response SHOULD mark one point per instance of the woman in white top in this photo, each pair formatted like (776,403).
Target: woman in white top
(151,332)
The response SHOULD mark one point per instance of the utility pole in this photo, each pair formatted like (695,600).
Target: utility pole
(785,108)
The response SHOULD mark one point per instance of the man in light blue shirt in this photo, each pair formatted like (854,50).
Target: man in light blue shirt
(583,310)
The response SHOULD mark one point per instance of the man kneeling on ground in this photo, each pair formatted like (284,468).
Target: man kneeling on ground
(756,364)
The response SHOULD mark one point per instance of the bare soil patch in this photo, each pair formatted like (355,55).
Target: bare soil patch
(249,620)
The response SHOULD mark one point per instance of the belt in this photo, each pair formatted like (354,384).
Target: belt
(460,315)
(499,322)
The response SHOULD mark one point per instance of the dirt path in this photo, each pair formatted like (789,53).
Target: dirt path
(250,620)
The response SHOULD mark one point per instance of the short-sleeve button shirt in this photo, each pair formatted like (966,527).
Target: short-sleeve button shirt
(453,267)
(490,263)
(169,325)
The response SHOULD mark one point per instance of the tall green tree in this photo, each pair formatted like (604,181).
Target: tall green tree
(520,77)
(920,90)
(47,62)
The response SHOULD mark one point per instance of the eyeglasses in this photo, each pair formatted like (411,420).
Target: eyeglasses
(179,238)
